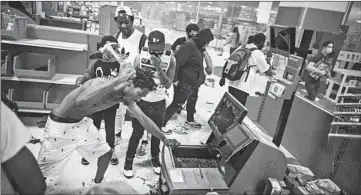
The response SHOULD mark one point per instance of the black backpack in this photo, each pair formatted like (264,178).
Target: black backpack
(237,64)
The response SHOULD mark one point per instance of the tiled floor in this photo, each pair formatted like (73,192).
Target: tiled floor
(77,179)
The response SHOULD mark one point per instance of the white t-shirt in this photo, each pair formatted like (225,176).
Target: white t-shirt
(14,136)
(129,48)
(255,81)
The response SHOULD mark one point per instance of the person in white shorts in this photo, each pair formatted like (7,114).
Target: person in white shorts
(68,129)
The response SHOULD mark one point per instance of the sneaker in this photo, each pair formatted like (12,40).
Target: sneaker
(194,124)
(155,164)
(142,149)
(84,162)
(114,160)
(128,168)
(98,182)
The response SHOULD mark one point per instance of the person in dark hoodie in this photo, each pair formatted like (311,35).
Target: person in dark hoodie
(189,76)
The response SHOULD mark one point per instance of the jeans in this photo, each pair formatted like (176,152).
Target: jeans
(109,118)
(183,93)
(155,111)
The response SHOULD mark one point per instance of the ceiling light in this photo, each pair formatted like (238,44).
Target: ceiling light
(358,21)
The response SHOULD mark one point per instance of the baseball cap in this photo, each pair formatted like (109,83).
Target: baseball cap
(156,41)
(124,9)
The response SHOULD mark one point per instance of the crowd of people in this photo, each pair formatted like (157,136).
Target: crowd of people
(119,80)
(115,82)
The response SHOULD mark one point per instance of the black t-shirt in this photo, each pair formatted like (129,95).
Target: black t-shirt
(179,41)
(106,69)
(190,69)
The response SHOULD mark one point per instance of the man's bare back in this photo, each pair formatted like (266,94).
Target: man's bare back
(95,95)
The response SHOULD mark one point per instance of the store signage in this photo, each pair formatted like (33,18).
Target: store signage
(276,89)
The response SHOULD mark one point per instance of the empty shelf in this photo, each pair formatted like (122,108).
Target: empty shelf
(32,110)
(49,44)
(62,79)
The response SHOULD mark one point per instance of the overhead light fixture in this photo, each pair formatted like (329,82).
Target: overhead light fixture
(243,6)
(358,21)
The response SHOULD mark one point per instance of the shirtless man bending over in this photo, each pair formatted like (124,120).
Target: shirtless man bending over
(68,129)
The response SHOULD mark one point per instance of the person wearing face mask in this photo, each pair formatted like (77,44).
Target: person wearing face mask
(154,104)
(192,30)
(189,76)
(318,70)
(106,67)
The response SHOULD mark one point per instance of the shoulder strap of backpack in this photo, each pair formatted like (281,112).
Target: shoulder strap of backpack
(249,67)
(142,42)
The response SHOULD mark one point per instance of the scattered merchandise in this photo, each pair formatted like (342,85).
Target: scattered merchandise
(295,170)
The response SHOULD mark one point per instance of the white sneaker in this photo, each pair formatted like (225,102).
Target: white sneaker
(128,173)
(128,169)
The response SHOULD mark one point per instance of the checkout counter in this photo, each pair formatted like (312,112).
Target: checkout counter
(236,159)
(305,128)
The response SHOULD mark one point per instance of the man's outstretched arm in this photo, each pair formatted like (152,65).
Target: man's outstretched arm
(145,121)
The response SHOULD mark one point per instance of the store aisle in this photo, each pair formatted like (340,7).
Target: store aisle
(77,179)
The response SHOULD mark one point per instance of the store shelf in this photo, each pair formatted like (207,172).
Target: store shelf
(49,44)
(32,110)
(62,79)
(347,113)
(345,124)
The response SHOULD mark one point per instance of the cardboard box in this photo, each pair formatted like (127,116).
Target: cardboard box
(294,170)
(327,185)
(300,191)
(273,187)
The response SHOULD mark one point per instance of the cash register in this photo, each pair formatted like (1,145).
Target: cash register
(235,158)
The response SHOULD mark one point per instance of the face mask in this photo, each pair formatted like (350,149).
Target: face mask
(328,50)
